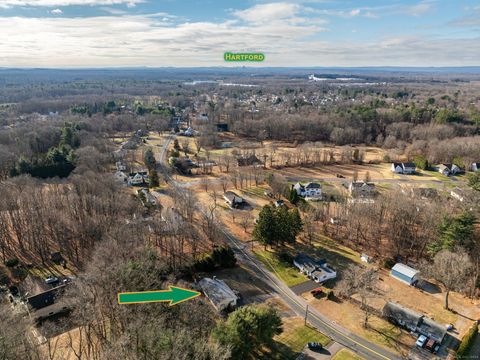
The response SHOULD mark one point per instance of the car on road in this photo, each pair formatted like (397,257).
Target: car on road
(421,341)
(51,280)
(315,346)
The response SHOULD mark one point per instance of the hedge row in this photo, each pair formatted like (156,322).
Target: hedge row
(467,341)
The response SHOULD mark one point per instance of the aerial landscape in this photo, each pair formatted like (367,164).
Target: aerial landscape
(251,180)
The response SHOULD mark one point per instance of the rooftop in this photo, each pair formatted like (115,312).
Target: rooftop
(405,269)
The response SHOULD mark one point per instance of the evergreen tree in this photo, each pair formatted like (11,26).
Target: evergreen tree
(264,231)
(454,232)
(248,329)
(149,159)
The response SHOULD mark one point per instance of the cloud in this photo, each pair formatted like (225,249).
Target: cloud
(53,3)
(354,12)
(267,12)
(419,9)
(56,12)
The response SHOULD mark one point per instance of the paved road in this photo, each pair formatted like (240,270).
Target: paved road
(337,333)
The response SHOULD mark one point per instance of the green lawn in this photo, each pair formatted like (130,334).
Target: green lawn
(286,272)
(346,354)
(289,344)
(298,336)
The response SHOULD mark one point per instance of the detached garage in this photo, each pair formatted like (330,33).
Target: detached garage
(405,273)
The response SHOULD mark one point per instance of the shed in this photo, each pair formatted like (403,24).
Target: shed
(405,273)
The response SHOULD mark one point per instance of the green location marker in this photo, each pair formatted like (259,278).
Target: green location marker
(174,295)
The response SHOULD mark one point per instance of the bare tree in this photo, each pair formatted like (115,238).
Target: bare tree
(451,269)
(362,281)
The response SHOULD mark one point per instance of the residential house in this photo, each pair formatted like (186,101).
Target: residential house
(219,293)
(120,166)
(319,271)
(405,273)
(138,178)
(414,321)
(361,189)
(404,168)
(310,191)
(121,176)
(475,166)
(250,160)
(449,169)
(233,200)
(149,199)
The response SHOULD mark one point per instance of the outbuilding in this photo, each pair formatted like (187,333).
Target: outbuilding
(405,273)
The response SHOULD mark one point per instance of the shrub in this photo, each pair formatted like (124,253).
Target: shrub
(12,262)
(224,257)
(467,341)
(285,257)
(4,278)
(220,258)
(388,263)
(330,295)
(206,264)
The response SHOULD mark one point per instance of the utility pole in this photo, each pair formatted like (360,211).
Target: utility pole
(306,315)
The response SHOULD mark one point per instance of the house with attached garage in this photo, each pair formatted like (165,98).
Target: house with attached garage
(317,270)
(449,169)
(414,321)
(404,168)
(138,178)
(310,191)
(361,189)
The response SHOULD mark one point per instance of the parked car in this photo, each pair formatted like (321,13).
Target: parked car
(421,341)
(315,346)
(340,176)
(51,280)
(430,344)
(316,292)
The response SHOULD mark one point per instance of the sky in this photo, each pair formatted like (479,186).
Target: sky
(192,33)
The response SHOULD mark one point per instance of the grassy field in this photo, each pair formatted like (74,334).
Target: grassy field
(345,354)
(286,272)
(289,344)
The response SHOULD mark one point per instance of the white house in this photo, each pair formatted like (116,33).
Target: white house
(449,169)
(219,293)
(318,271)
(475,166)
(310,191)
(138,178)
(404,168)
(405,273)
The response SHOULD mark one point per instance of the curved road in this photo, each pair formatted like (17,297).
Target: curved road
(328,327)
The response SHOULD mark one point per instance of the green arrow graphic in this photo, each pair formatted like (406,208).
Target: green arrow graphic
(174,295)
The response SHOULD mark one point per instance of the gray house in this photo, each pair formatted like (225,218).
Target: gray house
(414,321)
